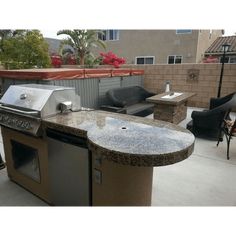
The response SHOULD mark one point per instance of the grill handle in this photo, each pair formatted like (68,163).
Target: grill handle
(18,111)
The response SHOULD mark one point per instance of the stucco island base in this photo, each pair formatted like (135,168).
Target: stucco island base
(121,185)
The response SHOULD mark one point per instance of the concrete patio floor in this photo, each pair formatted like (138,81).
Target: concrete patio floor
(203,179)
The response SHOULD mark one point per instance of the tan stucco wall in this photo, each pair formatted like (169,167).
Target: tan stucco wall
(205,87)
(159,43)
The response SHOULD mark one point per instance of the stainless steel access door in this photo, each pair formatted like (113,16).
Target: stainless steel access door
(69,171)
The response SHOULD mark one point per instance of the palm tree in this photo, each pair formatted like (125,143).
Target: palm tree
(82,41)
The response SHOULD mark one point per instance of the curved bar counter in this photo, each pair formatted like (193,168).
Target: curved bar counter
(124,151)
(137,144)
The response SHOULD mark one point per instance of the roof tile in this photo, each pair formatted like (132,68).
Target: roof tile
(216,46)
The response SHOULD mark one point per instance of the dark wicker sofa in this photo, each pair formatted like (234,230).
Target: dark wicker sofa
(129,100)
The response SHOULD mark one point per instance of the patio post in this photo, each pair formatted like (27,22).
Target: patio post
(225,48)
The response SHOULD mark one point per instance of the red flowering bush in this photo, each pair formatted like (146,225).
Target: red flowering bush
(69,59)
(112,59)
(211,59)
(72,60)
(56,61)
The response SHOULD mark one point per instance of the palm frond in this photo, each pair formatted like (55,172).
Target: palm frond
(82,40)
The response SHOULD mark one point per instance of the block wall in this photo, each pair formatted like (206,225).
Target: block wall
(205,84)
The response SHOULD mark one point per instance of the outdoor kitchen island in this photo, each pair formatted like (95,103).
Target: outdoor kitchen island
(124,150)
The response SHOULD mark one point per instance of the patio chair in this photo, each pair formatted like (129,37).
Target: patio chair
(208,123)
(215,102)
(229,131)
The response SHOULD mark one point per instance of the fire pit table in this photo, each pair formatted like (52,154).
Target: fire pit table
(170,106)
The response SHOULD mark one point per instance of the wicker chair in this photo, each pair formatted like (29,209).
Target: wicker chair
(229,132)
(208,123)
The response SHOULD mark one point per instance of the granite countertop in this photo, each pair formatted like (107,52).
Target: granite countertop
(125,139)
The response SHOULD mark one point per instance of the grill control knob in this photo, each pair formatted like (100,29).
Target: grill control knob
(27,125)
(23,125)
(9,121)
(19,123)
(5,118)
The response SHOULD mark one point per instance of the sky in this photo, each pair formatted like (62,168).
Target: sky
(183,14)
(51,33)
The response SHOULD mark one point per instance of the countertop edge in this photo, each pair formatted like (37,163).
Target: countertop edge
(144,160)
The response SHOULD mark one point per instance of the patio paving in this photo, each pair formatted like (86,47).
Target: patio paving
(203,179)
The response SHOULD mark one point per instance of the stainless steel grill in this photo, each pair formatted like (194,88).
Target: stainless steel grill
(23,106)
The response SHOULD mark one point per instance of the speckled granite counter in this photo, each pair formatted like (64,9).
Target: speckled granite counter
(127,140)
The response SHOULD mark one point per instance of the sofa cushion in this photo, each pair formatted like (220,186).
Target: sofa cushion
(127,96)
(136,108)
(130,99)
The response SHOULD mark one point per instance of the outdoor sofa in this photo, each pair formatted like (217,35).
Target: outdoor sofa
(129,100)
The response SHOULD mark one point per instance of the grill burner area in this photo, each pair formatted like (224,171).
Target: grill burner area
(23,106)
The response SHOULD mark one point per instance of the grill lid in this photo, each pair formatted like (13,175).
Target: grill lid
(44,99)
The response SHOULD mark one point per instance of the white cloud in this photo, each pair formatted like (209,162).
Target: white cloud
(51,33)
(229,32)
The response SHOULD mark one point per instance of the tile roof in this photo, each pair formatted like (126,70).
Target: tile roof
(216,46)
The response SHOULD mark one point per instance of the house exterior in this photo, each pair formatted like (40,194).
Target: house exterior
(216,51)
(159,46)
(53,45)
